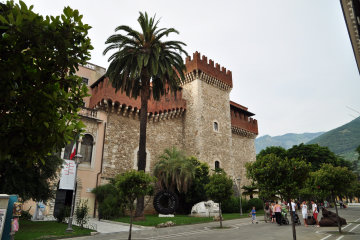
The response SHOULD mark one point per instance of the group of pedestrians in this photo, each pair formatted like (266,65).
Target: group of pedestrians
(277,211)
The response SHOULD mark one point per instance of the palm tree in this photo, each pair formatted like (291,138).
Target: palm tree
(249,190)
(144,65)
(174,171)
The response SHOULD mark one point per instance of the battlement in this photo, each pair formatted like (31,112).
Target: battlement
(241,118)
(202,64)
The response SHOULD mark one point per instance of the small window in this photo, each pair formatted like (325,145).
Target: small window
(85,81)
(217,165)
(216,127)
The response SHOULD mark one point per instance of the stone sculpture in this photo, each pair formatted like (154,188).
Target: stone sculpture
(329,219)
(205,209)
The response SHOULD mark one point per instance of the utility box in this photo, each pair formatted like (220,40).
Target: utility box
(4,201)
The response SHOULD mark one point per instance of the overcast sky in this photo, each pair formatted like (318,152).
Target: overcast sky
(292,61)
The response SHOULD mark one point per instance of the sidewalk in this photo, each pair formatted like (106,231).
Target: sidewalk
(105,226)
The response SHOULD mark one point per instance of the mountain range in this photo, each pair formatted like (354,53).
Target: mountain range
(342,140)
(286,141)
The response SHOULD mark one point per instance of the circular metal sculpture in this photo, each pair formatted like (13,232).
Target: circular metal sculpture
(166,202)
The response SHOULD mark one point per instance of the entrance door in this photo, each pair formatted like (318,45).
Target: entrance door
(63,199)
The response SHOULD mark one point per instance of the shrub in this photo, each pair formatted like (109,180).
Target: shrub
(82,212)
(255,202)
(63,213)
(110,203)
(25,214)
(233,205)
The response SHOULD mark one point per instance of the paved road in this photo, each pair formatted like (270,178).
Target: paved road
(243,229)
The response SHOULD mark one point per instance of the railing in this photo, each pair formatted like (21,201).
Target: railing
(88,112)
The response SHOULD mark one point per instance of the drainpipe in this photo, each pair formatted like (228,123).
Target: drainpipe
(101,168)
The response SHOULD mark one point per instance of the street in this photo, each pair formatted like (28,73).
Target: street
(244,229)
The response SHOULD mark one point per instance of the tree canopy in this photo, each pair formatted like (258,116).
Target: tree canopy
(39,93)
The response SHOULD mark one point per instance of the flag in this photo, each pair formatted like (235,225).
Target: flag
(73,151)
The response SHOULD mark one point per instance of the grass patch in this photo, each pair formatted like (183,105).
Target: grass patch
(47,230)
(153,220)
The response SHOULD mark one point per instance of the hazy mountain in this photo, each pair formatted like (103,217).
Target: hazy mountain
(286,141)
(342,140)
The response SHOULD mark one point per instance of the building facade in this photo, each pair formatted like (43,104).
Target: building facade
(200,120)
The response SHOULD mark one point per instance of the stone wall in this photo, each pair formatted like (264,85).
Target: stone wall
(243,151)
(122,141)
(207,104)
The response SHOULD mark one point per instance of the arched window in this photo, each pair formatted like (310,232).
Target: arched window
(217,164)
(86,148)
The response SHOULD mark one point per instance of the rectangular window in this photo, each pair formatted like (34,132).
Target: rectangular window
(85,81)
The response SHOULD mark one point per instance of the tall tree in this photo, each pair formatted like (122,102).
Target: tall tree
(335,181)
(282,176)
(39,94)
(144,65)
(316,155)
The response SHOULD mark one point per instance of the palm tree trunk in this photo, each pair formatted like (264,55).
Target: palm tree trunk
(145,93)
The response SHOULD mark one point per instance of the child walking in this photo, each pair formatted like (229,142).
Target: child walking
(253,215)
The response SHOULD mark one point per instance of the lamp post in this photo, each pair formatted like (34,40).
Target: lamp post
(239,180)
(77,161)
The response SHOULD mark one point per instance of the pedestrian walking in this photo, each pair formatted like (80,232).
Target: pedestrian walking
(273,212)
(304,212)
(315,212)
(278,213)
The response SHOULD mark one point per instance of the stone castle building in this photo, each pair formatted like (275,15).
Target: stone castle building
(201,120)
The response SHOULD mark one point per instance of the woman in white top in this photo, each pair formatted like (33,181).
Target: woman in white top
(304,211)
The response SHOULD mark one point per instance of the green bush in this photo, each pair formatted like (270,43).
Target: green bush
(25,214)
(63,213)
(233,205)
(255,202)
(82,212)
(110,203)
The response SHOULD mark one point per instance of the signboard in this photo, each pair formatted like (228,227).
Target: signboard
(67,178)
(2,220)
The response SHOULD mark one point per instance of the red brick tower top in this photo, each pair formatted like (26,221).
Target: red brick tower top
(202,64)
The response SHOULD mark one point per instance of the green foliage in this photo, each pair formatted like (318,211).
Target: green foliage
(249,190)
(255,202)
(197,192)
(25,214)
(174,170)
(133,184)
(82,213)
(110,202)
(342,140)
(39,93)
(33,181)
(278,151)
(314,154)
(276,175)
(63,213)
(232,205)
(219,188)
(142,56)
(332,180)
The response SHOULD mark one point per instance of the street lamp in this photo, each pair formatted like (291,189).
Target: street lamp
(239,180)
(77,161)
